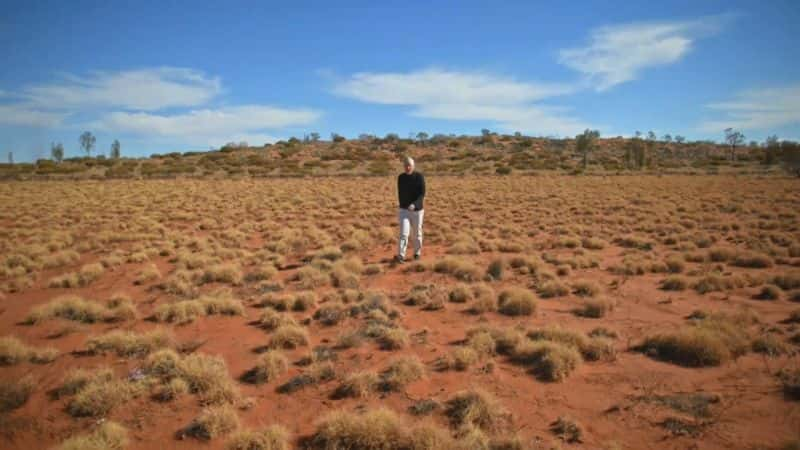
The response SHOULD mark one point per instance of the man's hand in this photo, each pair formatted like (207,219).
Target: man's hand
(411,207)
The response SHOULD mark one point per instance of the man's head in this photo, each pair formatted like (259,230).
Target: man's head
(408,164)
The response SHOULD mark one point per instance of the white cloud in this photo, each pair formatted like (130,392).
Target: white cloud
(209,126)
(757,109)
(435,86)
(616,54)
(24,115)
(145,89)
(452,95)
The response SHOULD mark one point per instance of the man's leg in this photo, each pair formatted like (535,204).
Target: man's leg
(416,225)
(405,227)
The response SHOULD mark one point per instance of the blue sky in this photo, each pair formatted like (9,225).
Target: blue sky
(176,76)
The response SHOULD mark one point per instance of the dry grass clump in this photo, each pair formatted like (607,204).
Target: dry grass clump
(567,430)
(553,288)
(675,264)
(476,409)
(460,293)
(496,269)
(716,282)
(274,437)
(212,422)
(223,273)
(402,371)
(358,385)
(392,338)
(261,273)
(585,288)
(271,319)
(204,375)
(595,308)
(503,340)
(770,345)
(753,260)
(308,277)
(517,301)
(269,366)
(787,281)
(331,313)
(591,349)
(304,301)
(317,372)
(376,429)
(711,341)
(459,268)
(593,243)
(148,275)
(79,310)
(768,292)
(549,360)
(185,311)
(14,351)
(675,283)
(96,393)
(83,277)
(484,299)
(15,393)
(129,343)
(107,436)
(60,259)
(289,337)
(790,379)
(459,359)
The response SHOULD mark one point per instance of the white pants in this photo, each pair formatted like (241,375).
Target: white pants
(410,220)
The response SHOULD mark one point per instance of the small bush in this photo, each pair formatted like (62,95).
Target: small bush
(596,308)
(495,270)
(129,343)
(549,360)
(13,351)
(289,337)
(791,383)
(358,385)
(274,437)
(752,260)
(15,393)
(461,293)
(674,283)
(567,430)
(552,289)
(585,289)
(459,268)
(517,302)
(402,371)
(393,339)
(769,292)
(223,273)
(107,436)
(475,408)
(269,366)
(213,422)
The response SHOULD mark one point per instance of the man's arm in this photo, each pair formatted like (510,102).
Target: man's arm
(418,201)
(398,191)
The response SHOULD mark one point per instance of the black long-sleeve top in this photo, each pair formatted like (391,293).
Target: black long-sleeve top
(411,189)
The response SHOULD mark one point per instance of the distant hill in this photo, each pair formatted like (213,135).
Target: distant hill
(444,155)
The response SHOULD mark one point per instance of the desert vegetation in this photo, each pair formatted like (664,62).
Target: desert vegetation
(142,313)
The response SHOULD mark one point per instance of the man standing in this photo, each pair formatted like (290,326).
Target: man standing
(410,193)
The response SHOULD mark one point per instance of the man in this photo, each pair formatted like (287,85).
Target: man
(410,193)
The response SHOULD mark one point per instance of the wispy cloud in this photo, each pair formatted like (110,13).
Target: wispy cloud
(144,89)
(618,53)
(24,115)
(757,109)
(453,95)
(208,126)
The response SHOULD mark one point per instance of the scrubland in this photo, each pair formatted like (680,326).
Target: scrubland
(547,312)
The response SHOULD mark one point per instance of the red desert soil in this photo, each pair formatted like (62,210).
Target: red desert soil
(614,401)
